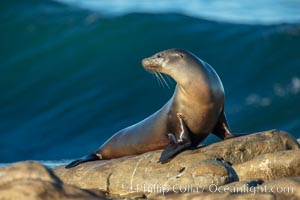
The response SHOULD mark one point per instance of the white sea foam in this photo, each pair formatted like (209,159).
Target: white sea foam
(247,11)
(279,90)
(48,163)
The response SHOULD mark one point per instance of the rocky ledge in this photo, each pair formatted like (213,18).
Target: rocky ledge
(33,181)
(260,165)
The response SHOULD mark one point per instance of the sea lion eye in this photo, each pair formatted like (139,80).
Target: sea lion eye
(159,55)
(181,55)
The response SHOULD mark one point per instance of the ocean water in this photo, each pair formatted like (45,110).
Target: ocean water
(71,74)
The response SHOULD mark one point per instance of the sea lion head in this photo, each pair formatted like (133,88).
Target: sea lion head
(167,61)
(183,66)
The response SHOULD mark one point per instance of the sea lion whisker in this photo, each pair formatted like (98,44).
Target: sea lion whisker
(161,81)
(151,73)
(166,83)
(158,80)
(169,79)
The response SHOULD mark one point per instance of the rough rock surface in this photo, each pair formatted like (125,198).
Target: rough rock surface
(287,188)
(33,181)
(192,170)
(270,166)
(242,149)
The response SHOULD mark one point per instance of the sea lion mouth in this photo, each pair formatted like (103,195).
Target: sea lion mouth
(148,65)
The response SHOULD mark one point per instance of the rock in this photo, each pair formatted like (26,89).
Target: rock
(270,166)
(215,196)
(188,171)
(33,181)
(209,172)
(246,185)
(287,188)
(26,170)
(140,174)
(244,148)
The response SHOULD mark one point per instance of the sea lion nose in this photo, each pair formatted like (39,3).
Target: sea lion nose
(145,62)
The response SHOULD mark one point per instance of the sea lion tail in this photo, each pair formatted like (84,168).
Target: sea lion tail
(87,158)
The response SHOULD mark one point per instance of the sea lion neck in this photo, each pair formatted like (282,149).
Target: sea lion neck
(191,79)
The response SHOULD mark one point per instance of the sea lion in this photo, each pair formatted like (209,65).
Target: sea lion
(194,111)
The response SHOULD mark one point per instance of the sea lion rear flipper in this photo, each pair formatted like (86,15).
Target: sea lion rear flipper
(222,129)
(176,146)
(87,158)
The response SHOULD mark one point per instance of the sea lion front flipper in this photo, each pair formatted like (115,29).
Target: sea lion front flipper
(176,146)
(87,158)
